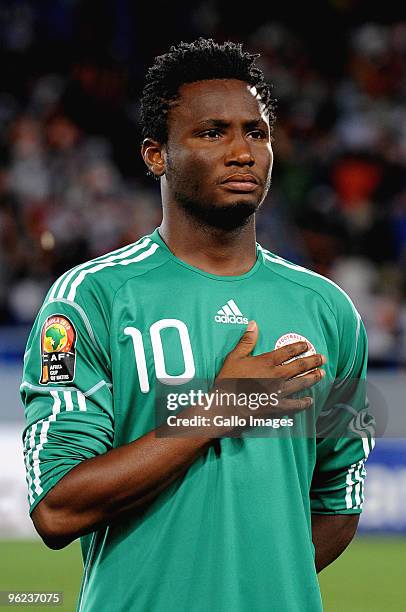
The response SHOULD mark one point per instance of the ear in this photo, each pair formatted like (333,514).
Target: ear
(153,156)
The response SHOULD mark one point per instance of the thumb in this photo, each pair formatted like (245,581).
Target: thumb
(248,340)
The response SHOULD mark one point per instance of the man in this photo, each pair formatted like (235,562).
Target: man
(211,521)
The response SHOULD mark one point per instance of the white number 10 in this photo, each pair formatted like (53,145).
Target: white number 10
(158,351)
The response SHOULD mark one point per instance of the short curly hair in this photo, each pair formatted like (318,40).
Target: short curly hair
(201,60)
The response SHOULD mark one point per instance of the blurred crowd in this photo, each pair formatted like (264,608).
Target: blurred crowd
(72,183)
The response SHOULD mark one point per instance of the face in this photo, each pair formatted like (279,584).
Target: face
(217,161)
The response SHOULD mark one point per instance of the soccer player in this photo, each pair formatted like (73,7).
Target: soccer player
(195,522)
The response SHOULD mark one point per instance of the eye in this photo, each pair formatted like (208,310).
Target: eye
(213,134)
(257,134)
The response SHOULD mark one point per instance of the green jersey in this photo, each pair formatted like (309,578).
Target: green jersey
(234,532)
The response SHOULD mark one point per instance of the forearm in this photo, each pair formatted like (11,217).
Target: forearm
(99,490)
(331,535)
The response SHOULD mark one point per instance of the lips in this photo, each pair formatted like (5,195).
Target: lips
(242,182)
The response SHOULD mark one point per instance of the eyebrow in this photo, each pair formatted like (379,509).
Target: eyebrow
(222,123)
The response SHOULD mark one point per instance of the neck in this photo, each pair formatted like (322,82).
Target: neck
(221,252)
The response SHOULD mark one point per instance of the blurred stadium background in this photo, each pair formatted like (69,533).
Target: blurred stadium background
(73,186)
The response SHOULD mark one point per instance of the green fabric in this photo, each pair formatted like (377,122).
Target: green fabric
(234,532)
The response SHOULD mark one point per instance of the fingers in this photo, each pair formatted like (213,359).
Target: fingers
(286,404)
(279,356)
(302,365)
(248,341)
(289,406)
(295,385)
(288,360)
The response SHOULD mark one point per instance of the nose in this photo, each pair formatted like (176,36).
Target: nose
(239,152)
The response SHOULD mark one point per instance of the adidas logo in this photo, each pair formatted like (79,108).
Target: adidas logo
(230,313)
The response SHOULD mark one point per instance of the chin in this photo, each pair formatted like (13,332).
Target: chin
(241,205)
(225,214)
(230,215)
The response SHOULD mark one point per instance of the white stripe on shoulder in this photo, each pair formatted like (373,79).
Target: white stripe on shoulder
(265,251)
(292,266)
(60,280)
(59,290)
(82,275)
